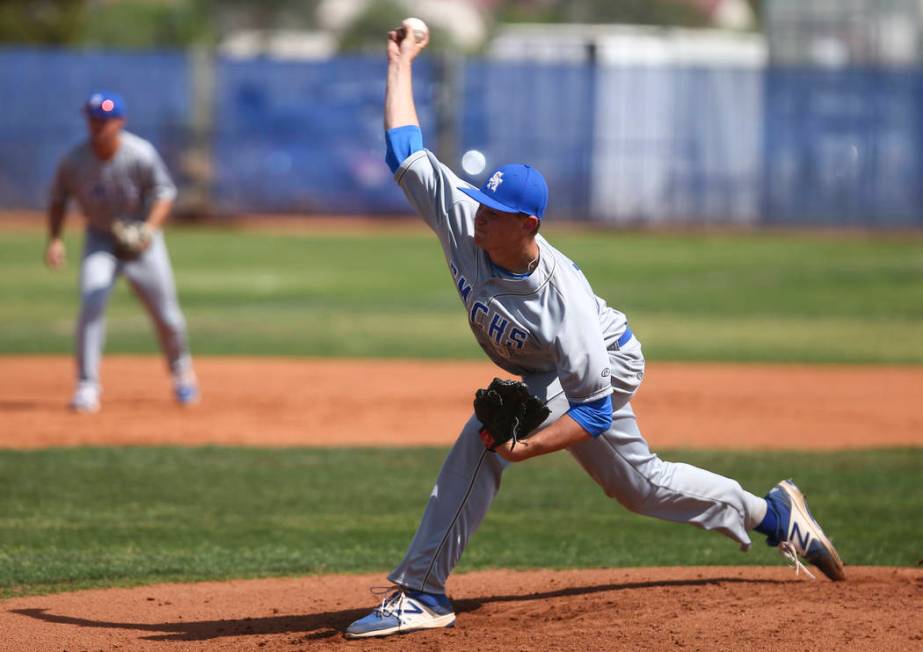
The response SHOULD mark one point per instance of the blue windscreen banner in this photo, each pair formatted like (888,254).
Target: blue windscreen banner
(307,137)
(539,114)
(677,144)
(43,92)
(618,144)
(844,147)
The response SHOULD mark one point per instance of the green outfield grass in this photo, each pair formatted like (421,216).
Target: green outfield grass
(747,297)
(76,518)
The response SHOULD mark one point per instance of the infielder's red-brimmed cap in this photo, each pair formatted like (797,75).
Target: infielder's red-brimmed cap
(513,188)
(104,105)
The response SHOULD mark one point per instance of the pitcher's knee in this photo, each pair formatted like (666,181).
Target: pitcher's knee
(633,501)
(635,494)
(629,496)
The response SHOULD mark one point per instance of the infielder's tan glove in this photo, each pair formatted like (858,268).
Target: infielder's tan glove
(131,238)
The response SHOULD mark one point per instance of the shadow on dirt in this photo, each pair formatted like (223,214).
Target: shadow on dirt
(473,604)
(332,623)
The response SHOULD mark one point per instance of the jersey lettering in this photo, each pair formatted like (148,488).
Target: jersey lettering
(497,327)
(475,309)
(463,288)
(517,338)
(480,315)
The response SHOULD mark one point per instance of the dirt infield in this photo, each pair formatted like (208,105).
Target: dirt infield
(284,402)
(289,402)
(722,608)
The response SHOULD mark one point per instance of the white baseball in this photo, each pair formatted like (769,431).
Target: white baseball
(418,27)
(473,162)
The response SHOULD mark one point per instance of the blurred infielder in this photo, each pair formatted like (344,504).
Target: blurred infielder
(535,315)
(125,193)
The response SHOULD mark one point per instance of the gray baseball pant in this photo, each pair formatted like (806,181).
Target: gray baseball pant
(619,460)
(151,277)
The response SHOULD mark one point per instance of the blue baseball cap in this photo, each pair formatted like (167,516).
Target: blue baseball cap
(104,105)
(513,188)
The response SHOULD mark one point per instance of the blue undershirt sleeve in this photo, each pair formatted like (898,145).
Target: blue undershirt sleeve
(401,143)
(595,417)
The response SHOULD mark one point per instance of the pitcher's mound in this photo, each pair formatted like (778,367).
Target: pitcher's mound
(727,608)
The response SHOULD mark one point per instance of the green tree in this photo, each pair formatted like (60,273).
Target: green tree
(144,23)
(147,24)
(263,15)
(48,22)
(757,7)
(368,32)
(634,12)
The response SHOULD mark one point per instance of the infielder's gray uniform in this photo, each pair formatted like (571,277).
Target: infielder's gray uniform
(549,328)
(124,187)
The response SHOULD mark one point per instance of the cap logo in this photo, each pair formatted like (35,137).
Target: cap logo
(495,181)
(107,105)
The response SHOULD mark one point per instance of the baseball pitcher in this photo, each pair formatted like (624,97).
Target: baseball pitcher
(535,315)
(123,189)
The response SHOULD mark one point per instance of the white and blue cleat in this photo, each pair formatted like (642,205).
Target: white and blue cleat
(799,535)
(186,393)
(404,611)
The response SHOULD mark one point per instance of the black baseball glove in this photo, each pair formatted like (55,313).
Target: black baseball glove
(508,411)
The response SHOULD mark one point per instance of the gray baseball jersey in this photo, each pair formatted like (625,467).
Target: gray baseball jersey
(550,328)
(547,321)
(124,187)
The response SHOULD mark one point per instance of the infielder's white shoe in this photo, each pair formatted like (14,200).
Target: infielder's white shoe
(404,611)
(799,535)
(86,398)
